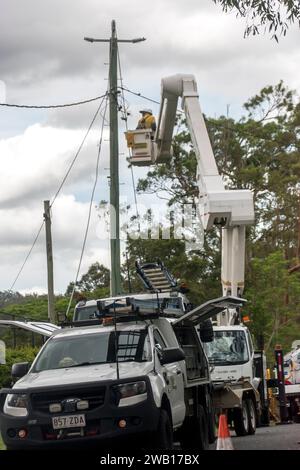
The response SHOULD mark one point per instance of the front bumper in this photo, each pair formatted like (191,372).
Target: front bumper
(227,395)
(102,422)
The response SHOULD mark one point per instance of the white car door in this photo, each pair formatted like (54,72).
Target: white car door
(174,379)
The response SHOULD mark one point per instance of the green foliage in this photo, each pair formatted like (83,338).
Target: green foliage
(274,301)
(25,354)
(34,307)
(96,278)
(196,269)
(260,152)
(272,15)
(8,297)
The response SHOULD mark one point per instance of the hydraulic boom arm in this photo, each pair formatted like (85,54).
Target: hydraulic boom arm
(230,209)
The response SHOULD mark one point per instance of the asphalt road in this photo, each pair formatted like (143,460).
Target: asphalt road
(277,437)
(281,437)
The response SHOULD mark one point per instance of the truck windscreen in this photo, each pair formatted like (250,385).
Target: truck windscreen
(228,347)
(96,348)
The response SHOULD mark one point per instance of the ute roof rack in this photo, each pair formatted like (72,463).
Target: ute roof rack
(122,310)
(156,277)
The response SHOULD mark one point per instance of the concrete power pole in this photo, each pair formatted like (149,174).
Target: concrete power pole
(47,218)
(115,272)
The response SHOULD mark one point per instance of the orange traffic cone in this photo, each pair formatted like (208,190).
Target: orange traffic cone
(224,439)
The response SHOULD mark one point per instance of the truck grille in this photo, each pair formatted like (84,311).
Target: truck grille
(42,401)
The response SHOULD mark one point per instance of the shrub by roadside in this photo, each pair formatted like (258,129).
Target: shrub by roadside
(25,354)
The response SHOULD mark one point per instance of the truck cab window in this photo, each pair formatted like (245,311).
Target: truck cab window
(228,347)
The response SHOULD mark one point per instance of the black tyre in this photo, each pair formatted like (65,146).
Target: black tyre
(251,416)
(194,432)
(241,420)
(163,438)
(264,418)
(212,423)
(294,410)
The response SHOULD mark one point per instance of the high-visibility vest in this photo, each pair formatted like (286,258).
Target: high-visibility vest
(147,122)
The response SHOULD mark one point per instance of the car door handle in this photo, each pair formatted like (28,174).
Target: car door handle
(178,371)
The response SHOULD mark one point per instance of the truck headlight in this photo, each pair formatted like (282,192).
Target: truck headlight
(130,393)
(16,404)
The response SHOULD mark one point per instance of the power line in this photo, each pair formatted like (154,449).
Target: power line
(90,209)
(51,106)
(221,126)
(28,254)
(139,94)
(126,125)
(57,193)
(78,151)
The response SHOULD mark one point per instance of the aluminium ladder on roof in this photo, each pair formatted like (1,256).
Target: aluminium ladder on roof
(156,277)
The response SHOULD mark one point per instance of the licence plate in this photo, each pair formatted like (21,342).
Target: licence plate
(70,421)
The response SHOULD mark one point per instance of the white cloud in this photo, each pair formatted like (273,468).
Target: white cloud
(69,218)
(36,161)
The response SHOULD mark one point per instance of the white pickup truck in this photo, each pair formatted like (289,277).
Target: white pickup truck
(143,376)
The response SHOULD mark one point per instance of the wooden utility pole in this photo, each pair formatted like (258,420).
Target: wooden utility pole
(115,272)
(47,218)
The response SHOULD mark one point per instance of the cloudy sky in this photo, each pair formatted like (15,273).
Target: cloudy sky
(44,60)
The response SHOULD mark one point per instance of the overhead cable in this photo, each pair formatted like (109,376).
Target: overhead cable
(58,191)
(78,151)
(139,94)
(90,209)
(126,125)
(51,106)
(212,124)
(27,256)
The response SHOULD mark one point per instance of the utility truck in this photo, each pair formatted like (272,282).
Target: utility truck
(130,371)
(238,373)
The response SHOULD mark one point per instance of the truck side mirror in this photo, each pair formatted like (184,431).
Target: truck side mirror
(20,369)
(169,355)
(61,318)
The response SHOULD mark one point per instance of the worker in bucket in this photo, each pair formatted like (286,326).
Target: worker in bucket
(147,120)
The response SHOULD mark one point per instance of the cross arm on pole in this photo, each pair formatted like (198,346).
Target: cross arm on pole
(134,41)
